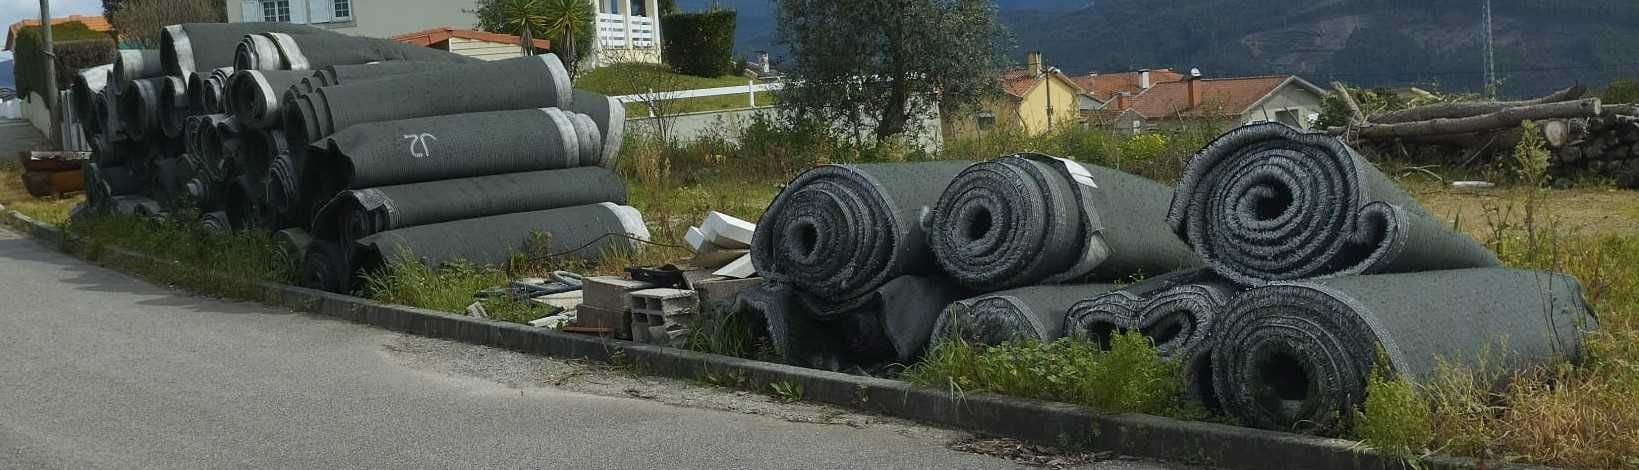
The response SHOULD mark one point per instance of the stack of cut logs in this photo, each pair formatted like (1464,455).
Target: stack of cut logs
(1584,135)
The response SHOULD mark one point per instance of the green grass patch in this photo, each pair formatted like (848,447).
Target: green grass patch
(226,264)
(634,78)
(1130,377)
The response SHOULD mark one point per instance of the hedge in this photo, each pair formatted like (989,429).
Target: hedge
(700,44)
(77,47)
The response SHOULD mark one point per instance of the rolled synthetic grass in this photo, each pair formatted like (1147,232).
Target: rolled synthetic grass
(514,84)
(1295,356)
(355,214)
(329,266)
(135,64)
(1267,202)
(1025,313)
(194,47)
(442,147)
(88,83)
(281,51)
(258,96)
(794,336)
(1030,219)
(894,326)
(838,233)
(139,108)
(173,107)
(569,233)
(1177,311)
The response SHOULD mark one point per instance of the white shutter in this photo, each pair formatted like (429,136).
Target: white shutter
(298,12)
(321,11)
(251,11)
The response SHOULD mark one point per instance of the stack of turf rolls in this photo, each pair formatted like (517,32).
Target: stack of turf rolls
(1273,273)
(354,152)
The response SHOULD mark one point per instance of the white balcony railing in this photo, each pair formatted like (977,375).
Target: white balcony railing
(613,31)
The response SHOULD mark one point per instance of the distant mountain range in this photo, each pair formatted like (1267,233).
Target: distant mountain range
(1538,45)
(6,80)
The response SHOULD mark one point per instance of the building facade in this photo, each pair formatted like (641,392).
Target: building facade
(372,18)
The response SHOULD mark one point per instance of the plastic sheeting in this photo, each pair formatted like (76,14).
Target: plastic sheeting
(838,233)
(1267,202)
(1030,219)
(1296,355)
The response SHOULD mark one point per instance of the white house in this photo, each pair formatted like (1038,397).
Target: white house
(628,31)
(373,18)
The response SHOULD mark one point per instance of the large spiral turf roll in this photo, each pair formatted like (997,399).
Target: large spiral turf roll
(839,232)
(1267,202)
(575,233)
(1029,219)
(1296,355)
(1025,313)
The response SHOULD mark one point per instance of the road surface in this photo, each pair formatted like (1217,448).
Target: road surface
(101,370)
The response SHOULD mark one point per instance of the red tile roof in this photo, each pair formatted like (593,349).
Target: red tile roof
(1219,96)
(1104,86)
(94,23)
(443,34)
(1018,82)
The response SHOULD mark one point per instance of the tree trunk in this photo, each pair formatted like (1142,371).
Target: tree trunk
(527,41)
(1469,109)
(1503,119)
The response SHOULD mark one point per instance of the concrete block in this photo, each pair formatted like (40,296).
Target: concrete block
(715,291)
(609,293)
(667,335)
(726,231)
(618,321)
(664,302)
(739,269)
(640,327)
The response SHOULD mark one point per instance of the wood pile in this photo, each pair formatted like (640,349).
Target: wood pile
(1584,135)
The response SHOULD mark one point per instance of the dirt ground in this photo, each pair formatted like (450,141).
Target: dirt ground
(1577,211)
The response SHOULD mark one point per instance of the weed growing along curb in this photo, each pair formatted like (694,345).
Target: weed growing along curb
(1131,377)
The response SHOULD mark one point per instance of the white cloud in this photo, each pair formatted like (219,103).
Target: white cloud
(12,11)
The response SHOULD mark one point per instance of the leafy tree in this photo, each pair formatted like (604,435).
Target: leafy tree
(883,63)
(559,20)
(1622,91)
(139,23)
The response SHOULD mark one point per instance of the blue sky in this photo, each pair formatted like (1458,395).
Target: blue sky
(11,11)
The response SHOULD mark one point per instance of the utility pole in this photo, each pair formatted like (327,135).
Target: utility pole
(47,49)
(1490,58)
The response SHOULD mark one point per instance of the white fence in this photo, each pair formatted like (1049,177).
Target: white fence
(750,89)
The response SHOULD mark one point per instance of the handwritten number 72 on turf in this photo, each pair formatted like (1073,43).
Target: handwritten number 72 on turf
(418,144)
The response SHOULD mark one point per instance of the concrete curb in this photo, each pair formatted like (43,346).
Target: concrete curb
(1026,419)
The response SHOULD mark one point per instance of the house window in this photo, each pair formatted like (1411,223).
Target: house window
(344,9)
(1288,117)
(276,11)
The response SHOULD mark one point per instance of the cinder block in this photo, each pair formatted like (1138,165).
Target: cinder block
(564,300)
(618,321)
(667,335)
(641,327)
(609,293)
(714,292)
(664,302)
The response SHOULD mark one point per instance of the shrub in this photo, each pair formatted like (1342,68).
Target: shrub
(97,49)
(699,44)
(1130,377)
(1621,91)
(1395,419)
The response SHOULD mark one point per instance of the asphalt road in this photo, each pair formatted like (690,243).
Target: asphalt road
(100,370)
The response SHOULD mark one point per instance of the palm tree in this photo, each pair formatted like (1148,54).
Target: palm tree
(524,16)
(568,19)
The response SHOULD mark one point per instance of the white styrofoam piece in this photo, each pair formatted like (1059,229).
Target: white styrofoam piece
(739,269)
(695,239)
(726,231)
